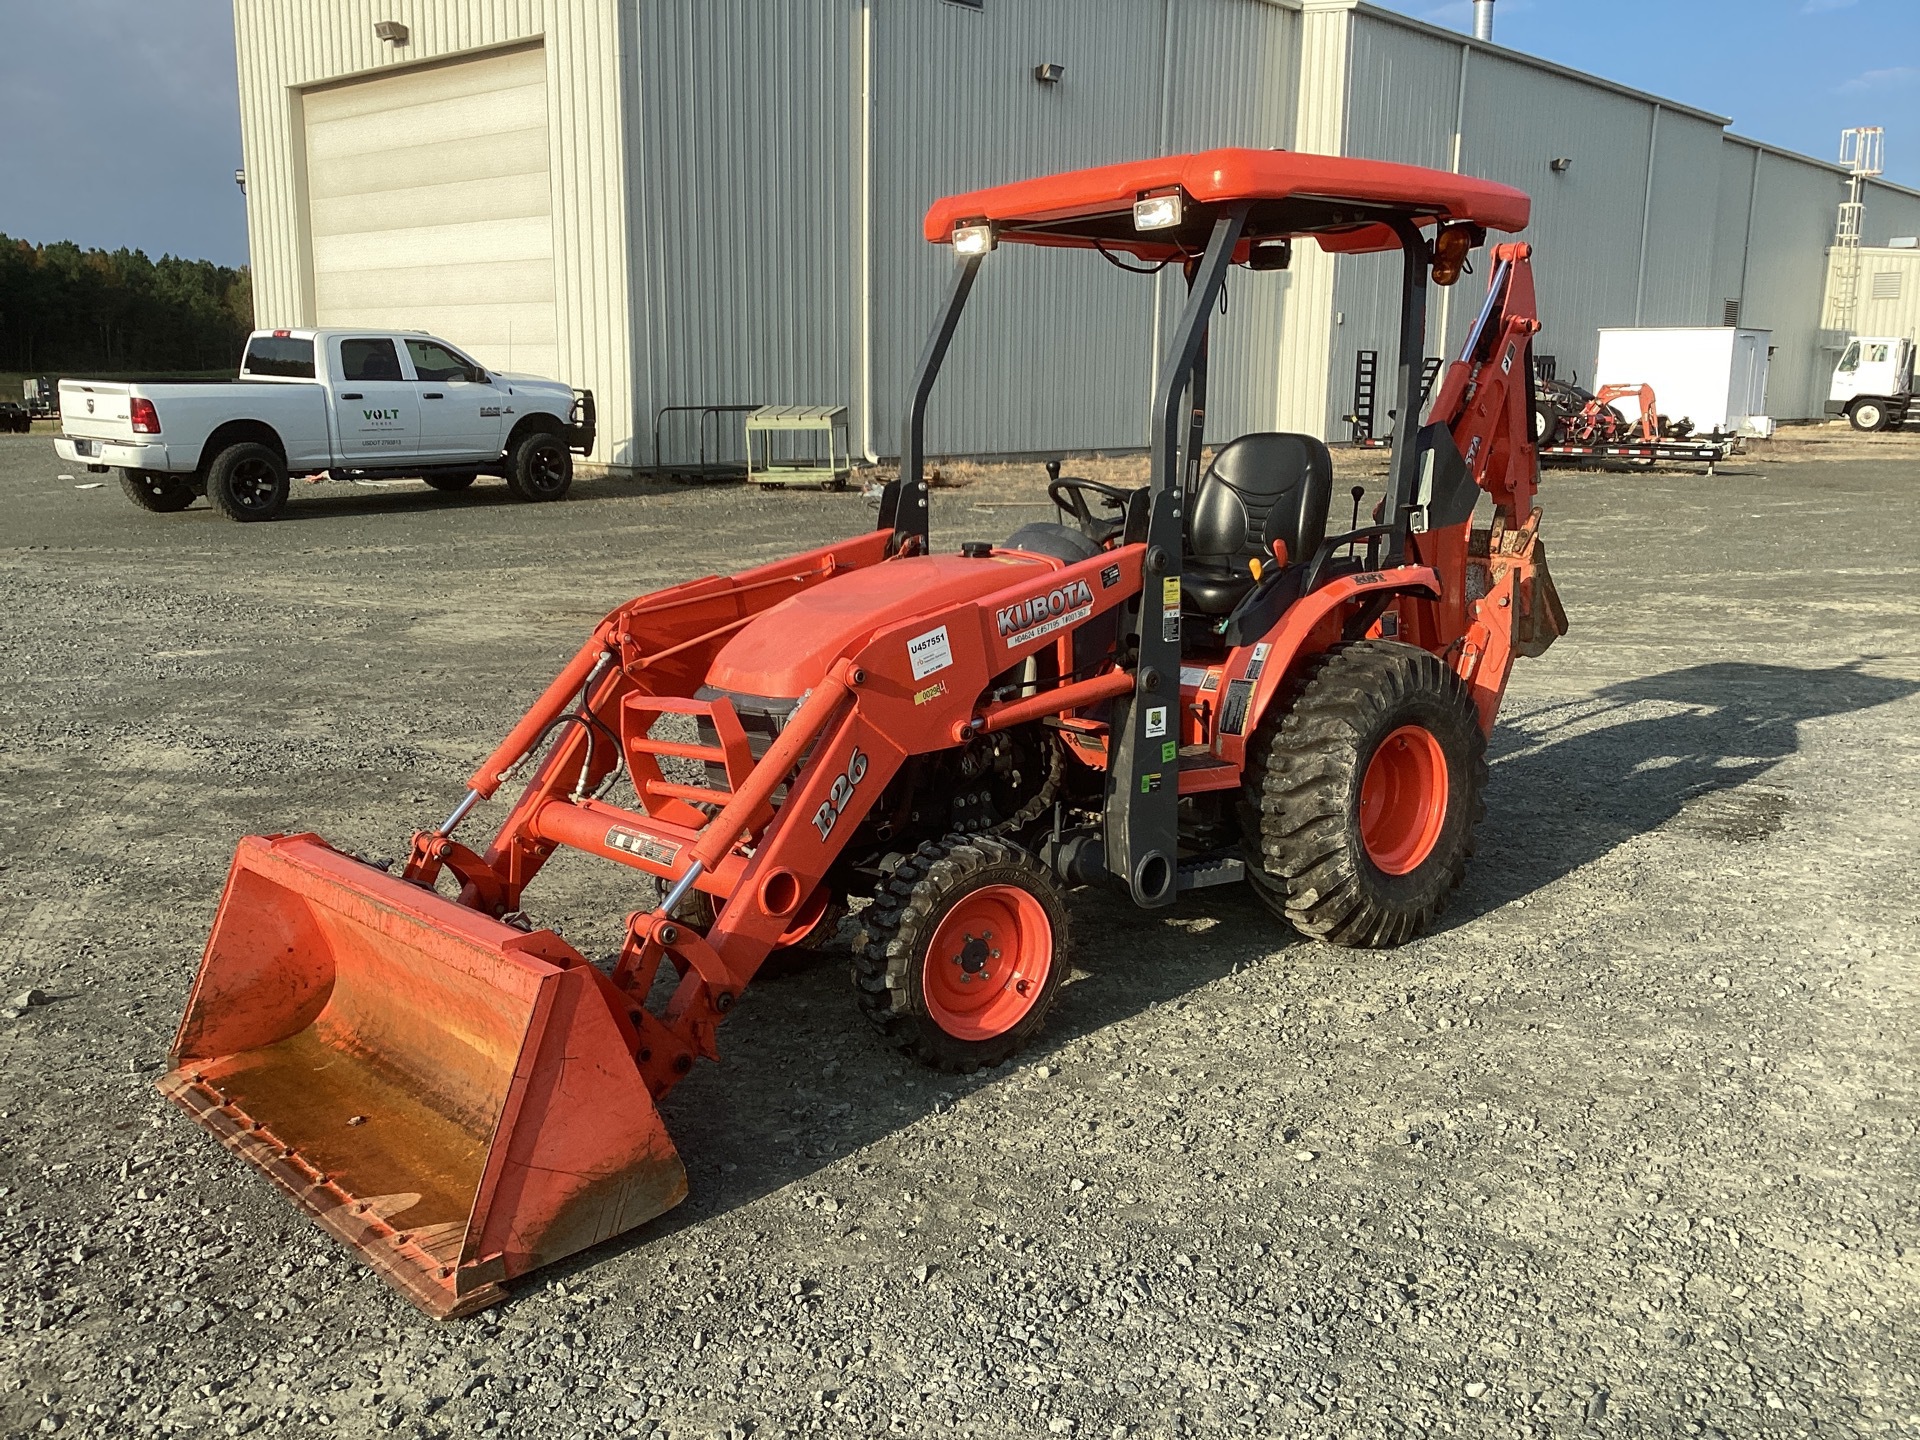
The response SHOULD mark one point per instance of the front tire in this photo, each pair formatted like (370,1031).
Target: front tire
(540,467)
(1868,416)
(965,949)
(1363,794)
(248,482)
(157,491)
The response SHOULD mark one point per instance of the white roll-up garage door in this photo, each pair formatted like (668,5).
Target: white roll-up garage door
(430,206)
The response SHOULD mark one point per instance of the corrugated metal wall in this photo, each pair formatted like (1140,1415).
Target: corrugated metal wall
(1057,351)
(1678,288)
(738,188)
(1738,169)
(1777,214)
(1054,351)
(741,203)
(1515,118)
(1889,293)
(285,45)
(1892,210)
(1233,78)
(1304,386)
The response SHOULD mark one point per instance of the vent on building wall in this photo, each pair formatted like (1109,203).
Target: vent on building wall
(1730,317)
(969,4)
(1886,285)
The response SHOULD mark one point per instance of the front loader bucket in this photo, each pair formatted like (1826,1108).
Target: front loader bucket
(449,1095)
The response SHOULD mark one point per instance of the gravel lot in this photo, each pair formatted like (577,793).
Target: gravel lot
(1628,1148)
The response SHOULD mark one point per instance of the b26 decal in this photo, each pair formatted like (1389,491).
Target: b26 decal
(841,795)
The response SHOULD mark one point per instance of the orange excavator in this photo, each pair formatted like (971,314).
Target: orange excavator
(1199,682)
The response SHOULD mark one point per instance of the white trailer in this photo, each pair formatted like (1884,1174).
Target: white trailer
(1711,375)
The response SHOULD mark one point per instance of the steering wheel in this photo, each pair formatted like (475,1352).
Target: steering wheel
(1070,493)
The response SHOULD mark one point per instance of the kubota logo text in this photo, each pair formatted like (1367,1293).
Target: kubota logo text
(841,795)
(1044,614)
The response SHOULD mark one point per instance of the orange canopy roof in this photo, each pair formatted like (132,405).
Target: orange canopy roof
(1340,202)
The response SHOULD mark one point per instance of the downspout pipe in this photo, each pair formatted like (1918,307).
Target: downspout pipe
(1483,20)
(864,202)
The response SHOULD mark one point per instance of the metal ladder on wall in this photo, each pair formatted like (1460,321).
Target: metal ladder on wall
(1863,152)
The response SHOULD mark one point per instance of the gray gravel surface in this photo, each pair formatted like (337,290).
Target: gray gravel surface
(1627,1148)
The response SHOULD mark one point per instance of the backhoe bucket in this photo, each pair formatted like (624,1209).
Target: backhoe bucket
(451,1096)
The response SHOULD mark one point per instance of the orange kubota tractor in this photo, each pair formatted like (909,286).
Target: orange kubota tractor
(1188,684)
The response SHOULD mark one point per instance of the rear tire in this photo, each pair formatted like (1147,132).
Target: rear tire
(248,482)
(540,467)
(157,491)
(451,482)
(965,949)
(1363,793)
(1868,416)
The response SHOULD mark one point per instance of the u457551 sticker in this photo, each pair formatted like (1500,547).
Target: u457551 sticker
(930,653)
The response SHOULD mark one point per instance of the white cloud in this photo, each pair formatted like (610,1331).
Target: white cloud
(1891,79)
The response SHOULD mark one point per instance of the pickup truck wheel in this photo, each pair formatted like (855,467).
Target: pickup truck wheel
(1868,415)
(248,481)
(540,467)
(450,482)
(157,491)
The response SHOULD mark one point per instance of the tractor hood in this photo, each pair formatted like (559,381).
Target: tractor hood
(786,651)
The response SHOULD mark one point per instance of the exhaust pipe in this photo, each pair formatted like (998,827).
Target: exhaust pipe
(1483,20)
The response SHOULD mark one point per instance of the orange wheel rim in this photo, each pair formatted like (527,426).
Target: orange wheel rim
(988,962)
(1403,800)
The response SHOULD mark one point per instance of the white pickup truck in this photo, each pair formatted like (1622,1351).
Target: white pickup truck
(349,403)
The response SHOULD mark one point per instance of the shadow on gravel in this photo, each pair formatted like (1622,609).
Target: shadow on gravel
(333,502)
(803,1084)
(1685,748)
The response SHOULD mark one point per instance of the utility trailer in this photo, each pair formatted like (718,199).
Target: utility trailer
(1710,453)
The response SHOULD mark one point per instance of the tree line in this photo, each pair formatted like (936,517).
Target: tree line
(68,310)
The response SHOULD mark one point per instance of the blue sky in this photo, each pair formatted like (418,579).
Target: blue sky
(1793,73)
(119,123)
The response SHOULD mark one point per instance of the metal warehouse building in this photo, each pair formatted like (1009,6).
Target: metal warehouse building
(706,201)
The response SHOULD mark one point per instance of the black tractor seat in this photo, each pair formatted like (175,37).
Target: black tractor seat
(1264,487)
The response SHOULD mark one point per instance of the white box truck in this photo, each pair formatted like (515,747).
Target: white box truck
(1714,376)
(1873,383)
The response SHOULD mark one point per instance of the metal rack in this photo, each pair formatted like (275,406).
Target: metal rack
(769,470)
(714,462)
